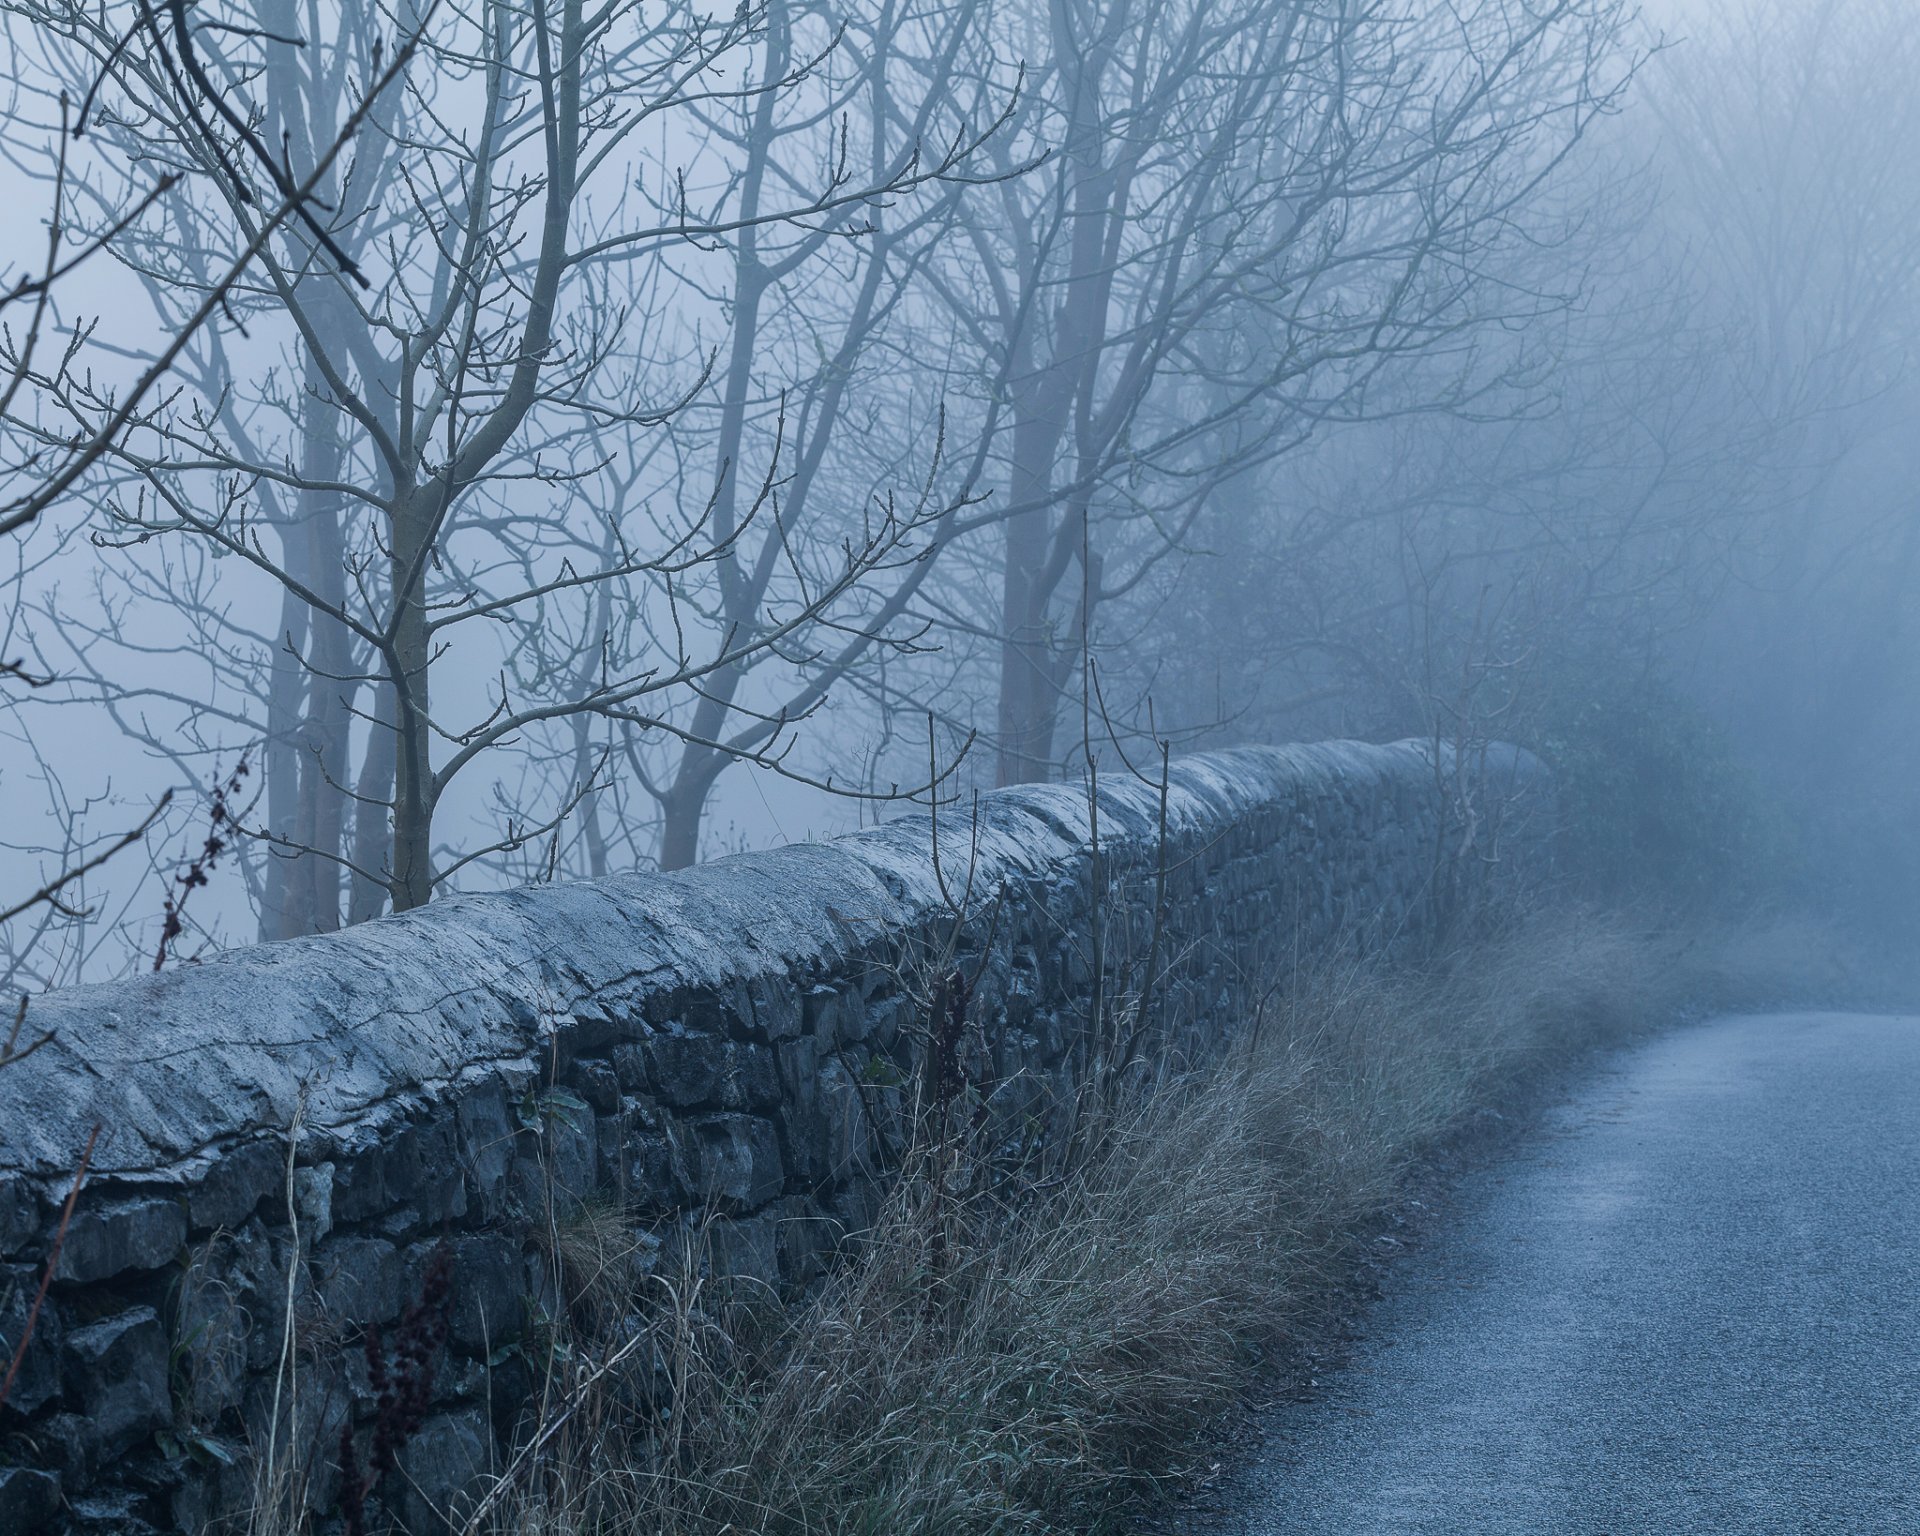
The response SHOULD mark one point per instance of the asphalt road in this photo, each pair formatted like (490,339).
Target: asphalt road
(1691,1305)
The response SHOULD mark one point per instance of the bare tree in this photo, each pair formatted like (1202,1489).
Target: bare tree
(1255,213)
(46,450)
(415,431)
(819,425)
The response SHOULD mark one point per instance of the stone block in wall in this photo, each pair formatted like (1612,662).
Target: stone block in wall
(62,1442)
(19,1216)
(486,1304)
(141,1232)
(839,1146)
(29,1500)
(798,1112)
(835,1014)
(558,1154)
(646,1166)
(427,1171)
(400,1224)
(205,1499)
(416,1165)
(659,1175)
(232,1188)
(887,1015)
(360,1281)
(1073,963)
(441,1471)
(806,1237)
(249,1266)
(210,1311)
(746,1251)
(573,1154)
(38,1381)
(854,1207)
(597,1084)
(1016,1105)
(1022,990)
(734,1160)
(721,1009)
(313,1405)
(313,1201)
(484,1148)
(709,1072)
(752,1079)
(1055,1031)
(117,1374)
(773,1004)
(359,1183)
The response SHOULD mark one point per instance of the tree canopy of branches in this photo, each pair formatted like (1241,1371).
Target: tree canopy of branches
(430,422)
(498,424)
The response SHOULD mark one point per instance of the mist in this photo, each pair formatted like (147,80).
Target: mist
(449,448)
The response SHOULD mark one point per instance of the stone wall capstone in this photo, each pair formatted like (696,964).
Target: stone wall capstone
(289,1139)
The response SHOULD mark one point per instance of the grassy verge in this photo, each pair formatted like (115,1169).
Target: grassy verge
(991,1364)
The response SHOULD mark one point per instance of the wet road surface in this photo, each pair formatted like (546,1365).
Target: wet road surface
(1691,1303)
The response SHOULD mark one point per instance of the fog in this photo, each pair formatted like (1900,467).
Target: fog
(540,442)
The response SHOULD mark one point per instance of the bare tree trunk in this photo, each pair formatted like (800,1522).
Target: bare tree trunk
(1027,695)
(329,720)
(584,769)
(681,810)
(372,827)
(1025,655)
(411,881)
(281,765)
(330,665)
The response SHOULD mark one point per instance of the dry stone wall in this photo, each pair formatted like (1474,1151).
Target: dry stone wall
(296,1143)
